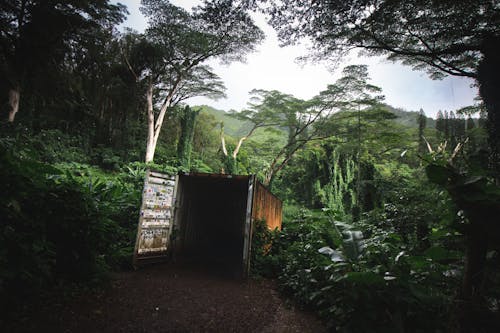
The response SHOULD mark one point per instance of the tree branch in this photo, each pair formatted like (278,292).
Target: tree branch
(128,65)
(386,47)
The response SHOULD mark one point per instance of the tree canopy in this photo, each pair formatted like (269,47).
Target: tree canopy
(308,120)
(179,42)
(460,38)
(441,36)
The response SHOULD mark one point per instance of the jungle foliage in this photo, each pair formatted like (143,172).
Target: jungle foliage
(391,218)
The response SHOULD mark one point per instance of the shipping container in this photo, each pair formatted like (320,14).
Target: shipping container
(203,219)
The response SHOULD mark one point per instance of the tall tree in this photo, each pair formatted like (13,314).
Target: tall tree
(445,37)
(185,145)
(452,128)
(421,120)
(104,92)
(478,199)
(440,122)
(37,34)
(272,114)
(311,120)
(206,138)
(179,42)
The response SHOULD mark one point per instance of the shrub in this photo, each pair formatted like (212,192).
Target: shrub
(56,227)
(363,278)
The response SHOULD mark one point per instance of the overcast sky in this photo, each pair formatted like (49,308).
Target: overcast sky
(275,68)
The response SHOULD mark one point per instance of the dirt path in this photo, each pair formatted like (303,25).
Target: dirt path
(163,298)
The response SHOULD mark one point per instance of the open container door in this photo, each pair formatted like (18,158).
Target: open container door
(156,217)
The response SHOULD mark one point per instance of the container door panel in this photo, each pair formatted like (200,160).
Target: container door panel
(156,217)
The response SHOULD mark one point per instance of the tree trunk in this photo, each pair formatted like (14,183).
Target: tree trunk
(475,259)
(489,88)
(274,168)
(471,311)
(224,149)
(150,143)
(100,125)
(154,127)
(14,96)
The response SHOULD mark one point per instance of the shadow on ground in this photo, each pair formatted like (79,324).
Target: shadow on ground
(164,298)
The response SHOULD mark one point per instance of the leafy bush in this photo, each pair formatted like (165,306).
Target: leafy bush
(199,166)
(51,229)
(63,224)
(117,198)
(49,146)
(362,277)
(263,261)
(106,157)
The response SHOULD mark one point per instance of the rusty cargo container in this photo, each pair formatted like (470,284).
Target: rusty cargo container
(209,219)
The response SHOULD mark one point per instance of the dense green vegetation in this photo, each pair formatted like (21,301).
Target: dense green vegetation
(390,249)
(391,218)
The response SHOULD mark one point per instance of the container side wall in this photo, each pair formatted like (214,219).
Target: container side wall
(267,207)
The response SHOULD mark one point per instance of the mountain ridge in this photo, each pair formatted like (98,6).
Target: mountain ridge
(238,128)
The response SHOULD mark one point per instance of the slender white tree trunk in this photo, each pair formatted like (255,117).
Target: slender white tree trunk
(223,145)
(238,146)
(154,126)
(150,143)
(14,96)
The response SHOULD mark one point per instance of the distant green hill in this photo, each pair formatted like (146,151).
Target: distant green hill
(409,118)
(232,126)
(237,128)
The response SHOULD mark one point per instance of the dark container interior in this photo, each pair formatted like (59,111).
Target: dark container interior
(210,222)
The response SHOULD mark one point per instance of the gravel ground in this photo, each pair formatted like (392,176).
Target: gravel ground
(167,298)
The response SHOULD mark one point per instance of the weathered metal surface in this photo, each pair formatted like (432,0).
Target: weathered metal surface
(247,240)
(266,206)
(155,219)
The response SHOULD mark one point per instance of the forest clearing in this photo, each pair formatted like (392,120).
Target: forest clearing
(345,213)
